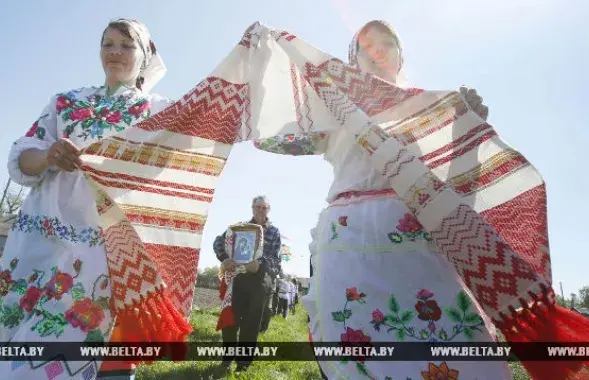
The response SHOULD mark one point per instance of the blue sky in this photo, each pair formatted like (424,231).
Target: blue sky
(527,58)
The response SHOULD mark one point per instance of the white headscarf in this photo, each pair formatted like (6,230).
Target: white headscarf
(153,68)
(355,48)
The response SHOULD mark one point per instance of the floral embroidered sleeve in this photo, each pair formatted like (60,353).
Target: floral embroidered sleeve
(40,136)
(304,144)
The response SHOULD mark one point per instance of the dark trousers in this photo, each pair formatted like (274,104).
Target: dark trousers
(267,313)
(274,303)
(248,302)
(283,307)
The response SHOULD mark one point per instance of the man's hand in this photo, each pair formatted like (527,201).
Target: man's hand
(475,102)
(228,265)
(252,267)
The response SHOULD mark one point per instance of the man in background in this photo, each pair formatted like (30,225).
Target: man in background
(250,290)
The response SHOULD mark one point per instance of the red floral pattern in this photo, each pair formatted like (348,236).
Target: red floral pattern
(63,103)
(85,314)
(441,372)
(77,265)
(36,129)
(409,224)
(424,294)
(354,336)
(29,300)
(33,129)
(93,115)
(6,282)
(59,284)
(377,316)
(81,114)
(428,310)
(139,109)
(353,295)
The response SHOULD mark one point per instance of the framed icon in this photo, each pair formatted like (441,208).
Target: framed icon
(245,243)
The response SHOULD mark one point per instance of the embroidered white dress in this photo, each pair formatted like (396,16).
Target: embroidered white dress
(54,283)
(377,276)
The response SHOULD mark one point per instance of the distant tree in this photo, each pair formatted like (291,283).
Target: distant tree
(209,278)
(560,300)
(12,199)
(573,301)
(584,297)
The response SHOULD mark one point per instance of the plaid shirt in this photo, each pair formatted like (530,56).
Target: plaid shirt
(270,260)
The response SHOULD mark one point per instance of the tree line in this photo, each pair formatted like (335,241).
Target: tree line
(576,300)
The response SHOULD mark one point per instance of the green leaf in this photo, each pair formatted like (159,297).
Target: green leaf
(443,334)
(78,292)
(94,336)
(83,104)
(392,320)
(347,313)
(65,116)
(395,237)
(407,316)
(473,318)
(20,286)
(361,368)
(40,133)
(468,333)
(87,123)
(338,316)
(74,125)
(423,334)
(103,302)
(454,315)
(127,119)
(462,301)
(400,334)
(12,316)
(427,236)
(68,130)
(51,324)
(393,304)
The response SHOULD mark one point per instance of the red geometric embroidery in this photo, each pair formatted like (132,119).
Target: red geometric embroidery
(523,223)
(178,266)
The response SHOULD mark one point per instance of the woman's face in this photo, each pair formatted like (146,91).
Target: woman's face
(379,53)
(121,57)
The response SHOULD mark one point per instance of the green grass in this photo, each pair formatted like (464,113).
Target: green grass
(293,329)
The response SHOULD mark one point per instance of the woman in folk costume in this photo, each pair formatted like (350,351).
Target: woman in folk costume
(377,276)
(56,283)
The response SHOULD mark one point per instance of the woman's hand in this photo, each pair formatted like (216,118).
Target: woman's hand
(64,154)
(475,102)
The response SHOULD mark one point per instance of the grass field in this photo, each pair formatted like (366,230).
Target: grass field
(294,329)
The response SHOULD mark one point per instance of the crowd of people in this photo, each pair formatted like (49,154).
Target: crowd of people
(367,232)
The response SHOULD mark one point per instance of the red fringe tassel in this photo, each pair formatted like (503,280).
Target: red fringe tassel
(546,322)
(226,319)
(154,319)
